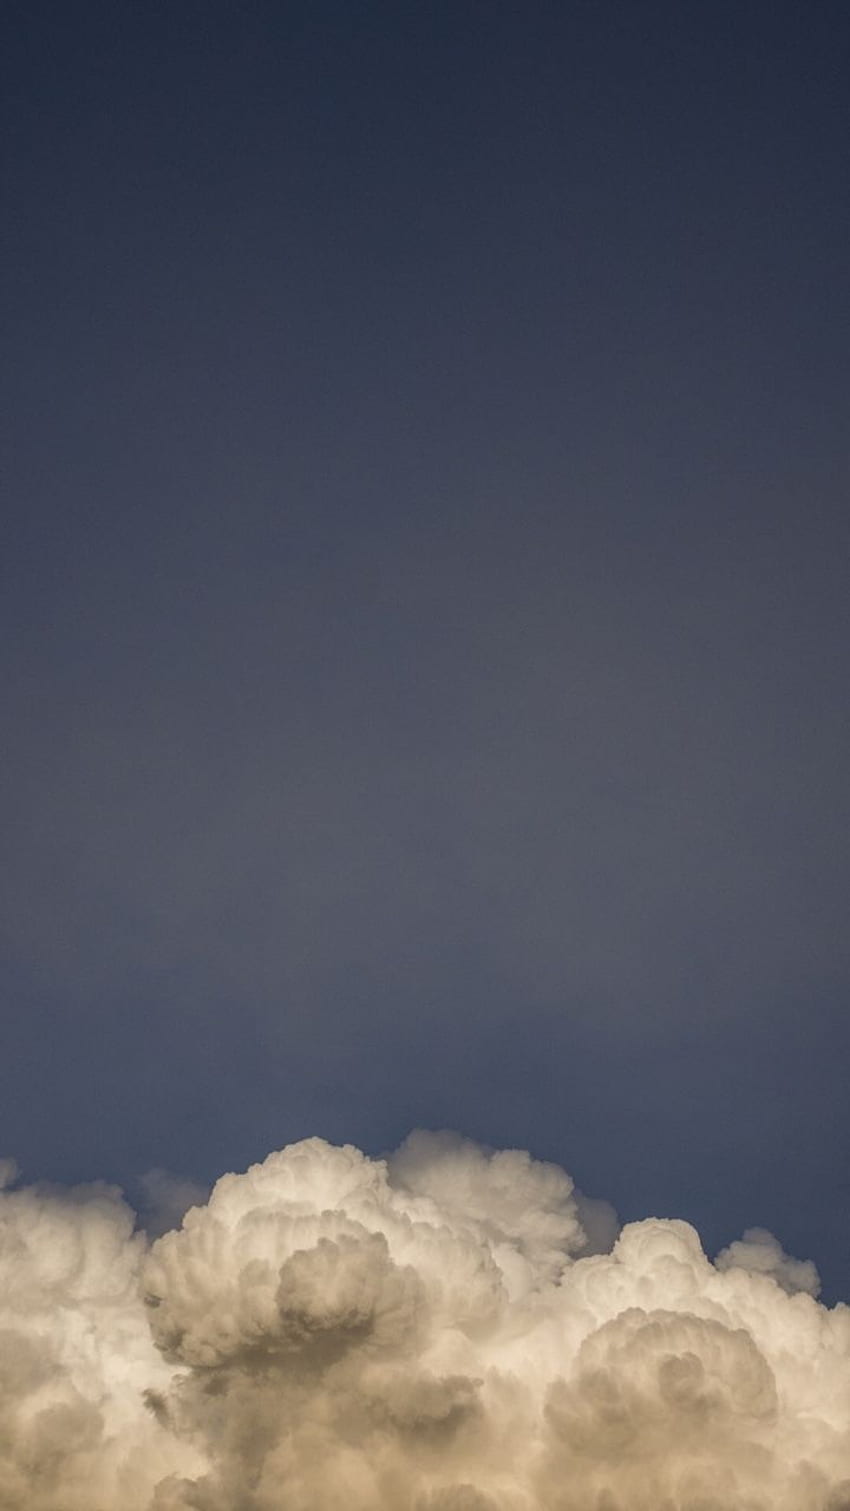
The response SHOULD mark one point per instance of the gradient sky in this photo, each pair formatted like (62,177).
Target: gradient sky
(425,610)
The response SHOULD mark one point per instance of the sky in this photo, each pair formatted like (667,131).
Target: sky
(424,593)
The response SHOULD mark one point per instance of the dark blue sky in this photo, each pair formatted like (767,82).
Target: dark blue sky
(424,592)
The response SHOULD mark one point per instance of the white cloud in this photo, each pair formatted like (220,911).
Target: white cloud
(433,1332)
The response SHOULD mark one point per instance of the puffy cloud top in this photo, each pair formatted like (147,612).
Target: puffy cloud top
(433,1332)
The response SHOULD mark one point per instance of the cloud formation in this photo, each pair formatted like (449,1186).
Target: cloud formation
(438,1331)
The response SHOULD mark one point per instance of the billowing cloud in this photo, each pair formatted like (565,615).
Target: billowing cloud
(438,1331)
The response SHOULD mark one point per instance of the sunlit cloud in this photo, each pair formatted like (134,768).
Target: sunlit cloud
(450,1329)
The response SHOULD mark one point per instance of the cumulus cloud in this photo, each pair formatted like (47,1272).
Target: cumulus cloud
(760,1252)
(450,1329)
(165,1199)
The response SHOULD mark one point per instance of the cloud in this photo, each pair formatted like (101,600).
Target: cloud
(763,1254)
(431,1332)
(165,1200)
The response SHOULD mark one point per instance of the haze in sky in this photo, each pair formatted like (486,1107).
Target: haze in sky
(424,609)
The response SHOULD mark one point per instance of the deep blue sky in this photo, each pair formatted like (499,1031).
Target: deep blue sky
(425,591)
